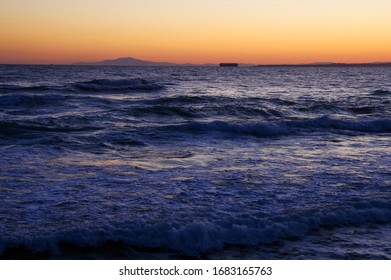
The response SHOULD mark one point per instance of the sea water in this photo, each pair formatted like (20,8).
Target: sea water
(195,162)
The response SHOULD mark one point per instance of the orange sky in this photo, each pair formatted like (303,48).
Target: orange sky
(196,31)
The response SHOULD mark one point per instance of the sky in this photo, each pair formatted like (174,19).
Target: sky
(195,31)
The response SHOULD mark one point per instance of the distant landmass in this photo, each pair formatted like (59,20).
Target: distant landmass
(130,61)
(329,64)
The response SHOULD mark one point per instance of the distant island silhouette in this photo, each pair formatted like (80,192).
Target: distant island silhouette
(329,64)
(127,61)
(130,61)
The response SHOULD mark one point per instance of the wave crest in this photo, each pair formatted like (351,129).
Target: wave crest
(276,128)
(14,100)
(381,92)
(357,125)
(92,85)
(200,237)
(113,85)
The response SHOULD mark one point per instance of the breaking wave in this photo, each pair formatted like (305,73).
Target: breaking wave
(201,236)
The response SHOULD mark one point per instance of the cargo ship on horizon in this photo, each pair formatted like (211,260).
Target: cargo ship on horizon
(228,64)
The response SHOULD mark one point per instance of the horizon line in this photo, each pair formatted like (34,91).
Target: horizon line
(320,63)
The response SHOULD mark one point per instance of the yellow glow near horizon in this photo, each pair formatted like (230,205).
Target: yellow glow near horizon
(196,31)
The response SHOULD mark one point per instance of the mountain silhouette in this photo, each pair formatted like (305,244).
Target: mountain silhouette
(127,61)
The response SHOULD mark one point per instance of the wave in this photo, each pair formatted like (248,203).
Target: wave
(185,112)
(212,105)
(197,237)
(4,87)
(358,125)
(116,85)
(269,129)
(188,112)
(119,138)
(215,128)
(381,92)
(72,136)
(253,129)
(14,100)
(92,85)
(205,106)
(33,89)
(13,128)
(192,99)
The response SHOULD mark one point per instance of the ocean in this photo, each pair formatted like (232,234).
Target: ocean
(195,162)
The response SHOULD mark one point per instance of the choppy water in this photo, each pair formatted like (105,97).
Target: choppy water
(195,162)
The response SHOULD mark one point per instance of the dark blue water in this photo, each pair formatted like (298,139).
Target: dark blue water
(195,162)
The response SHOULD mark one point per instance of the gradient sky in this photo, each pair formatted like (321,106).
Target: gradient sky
(196,31)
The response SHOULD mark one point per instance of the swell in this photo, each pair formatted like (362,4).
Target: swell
(276,128)
(14,128)
(194,112)
(73,136)
(29,100)
(273,128)
(116,85)
(266,106)
(194,238)
(204,106)
(381,125)
(16,88)
(96,85)
(381,92)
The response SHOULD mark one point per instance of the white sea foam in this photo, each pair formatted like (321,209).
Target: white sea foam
(203,236)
